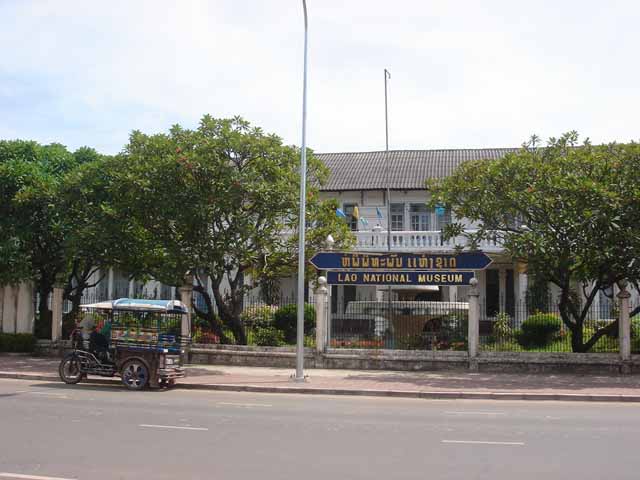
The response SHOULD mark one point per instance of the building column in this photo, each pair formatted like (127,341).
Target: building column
(186,297)
(502,288)
(453,293)
(624,324)
(521,304)
(110,285)
(473,337)
(320,298)
(56,312)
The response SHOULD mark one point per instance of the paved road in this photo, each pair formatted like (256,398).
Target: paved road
(102,432)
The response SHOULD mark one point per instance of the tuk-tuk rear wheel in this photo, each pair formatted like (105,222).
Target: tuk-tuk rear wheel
(135,375)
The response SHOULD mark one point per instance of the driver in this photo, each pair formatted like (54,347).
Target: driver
(98,344)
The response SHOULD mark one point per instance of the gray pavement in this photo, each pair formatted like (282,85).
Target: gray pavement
(52,430)
(445,384)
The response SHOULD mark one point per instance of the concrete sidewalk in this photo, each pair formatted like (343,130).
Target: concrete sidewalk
(446,384)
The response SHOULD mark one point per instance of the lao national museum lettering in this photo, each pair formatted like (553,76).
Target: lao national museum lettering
(399,278)
(400,261)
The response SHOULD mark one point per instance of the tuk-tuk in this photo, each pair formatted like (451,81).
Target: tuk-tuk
(136,339)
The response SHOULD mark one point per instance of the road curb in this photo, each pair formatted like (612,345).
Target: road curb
(308,390)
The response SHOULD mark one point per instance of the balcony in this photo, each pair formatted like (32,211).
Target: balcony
(410,241)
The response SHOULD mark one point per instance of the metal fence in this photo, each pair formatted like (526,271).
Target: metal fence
(635,325)
(524,329)
(400,325)
(42,327)
(262,324)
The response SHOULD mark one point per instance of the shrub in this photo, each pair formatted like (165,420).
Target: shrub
(539,330)
(502,328)
(286,319)
(411,342)
(258,315)
(268,337)
(635,327)
(17,342)
(203,336)
(454,328)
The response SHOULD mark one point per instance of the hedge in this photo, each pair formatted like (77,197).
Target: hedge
(17,342)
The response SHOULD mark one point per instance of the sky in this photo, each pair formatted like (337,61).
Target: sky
(464,74)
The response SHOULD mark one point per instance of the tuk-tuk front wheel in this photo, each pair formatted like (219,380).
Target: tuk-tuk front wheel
(167,382)
(69,370)
(135,375)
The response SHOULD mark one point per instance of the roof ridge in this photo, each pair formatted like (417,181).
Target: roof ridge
(420,150)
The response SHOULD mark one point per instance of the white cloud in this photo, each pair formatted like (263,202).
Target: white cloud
(464,74)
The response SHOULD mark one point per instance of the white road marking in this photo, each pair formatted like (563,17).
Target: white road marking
(482,442)
(174,427)
(475,413)
(31,477)
(49,394)
(245,404)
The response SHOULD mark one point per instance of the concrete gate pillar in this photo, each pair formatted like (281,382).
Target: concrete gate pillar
(473,337)
(321,299)
(56,312)
(624,325)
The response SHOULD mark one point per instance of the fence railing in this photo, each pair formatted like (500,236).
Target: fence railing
(263,324)
(400,325)
(524,329)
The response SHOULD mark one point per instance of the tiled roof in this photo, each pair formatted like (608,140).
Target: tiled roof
(408,169)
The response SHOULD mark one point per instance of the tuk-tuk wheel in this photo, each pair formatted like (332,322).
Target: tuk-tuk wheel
(69,370)
(135,375)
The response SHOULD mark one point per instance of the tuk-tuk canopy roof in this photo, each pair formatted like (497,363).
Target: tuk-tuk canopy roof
(143,304)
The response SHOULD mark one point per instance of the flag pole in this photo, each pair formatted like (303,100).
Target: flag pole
(387,75)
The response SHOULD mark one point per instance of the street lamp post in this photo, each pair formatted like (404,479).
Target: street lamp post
(299,377)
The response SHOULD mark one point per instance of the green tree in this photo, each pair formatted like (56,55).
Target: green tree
(41,238)
(571,211)
(219,202)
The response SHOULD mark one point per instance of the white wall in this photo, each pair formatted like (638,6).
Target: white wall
(16,308)
(368,201)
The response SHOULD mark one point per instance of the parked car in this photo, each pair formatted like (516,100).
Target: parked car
(404,317)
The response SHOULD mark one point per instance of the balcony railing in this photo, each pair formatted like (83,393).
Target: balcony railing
(412,240)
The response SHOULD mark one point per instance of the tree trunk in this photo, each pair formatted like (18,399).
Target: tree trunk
(230,312)
(209,316)
(43,325)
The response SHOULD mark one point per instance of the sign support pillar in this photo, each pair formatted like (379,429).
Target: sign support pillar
(320,298)
(474,324)
(624,327)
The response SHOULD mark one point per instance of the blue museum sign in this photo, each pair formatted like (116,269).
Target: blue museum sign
(400,261)
(409,277)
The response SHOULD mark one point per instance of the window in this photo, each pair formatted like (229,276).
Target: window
(397,217)
(443,218)
(419,216)
(352,221)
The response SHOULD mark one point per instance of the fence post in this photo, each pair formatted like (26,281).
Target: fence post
(186,296)
(320,298)
(474,324)
(56,312)
(624,325)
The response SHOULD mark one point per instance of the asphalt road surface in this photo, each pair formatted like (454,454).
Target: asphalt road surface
(53,431)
